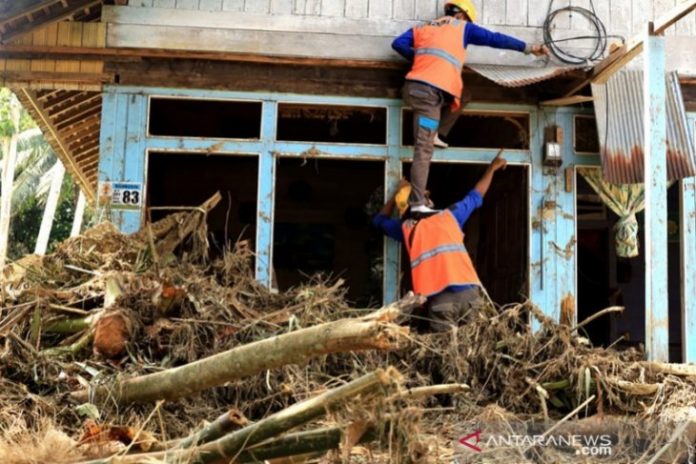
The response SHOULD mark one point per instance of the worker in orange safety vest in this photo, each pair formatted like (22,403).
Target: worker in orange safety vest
(434,88)
(441,268)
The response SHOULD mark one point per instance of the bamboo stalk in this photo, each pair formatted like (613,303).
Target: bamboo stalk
(372,332)
(74,348)
(68,326)
(431,390)
(218,428)
(230,446)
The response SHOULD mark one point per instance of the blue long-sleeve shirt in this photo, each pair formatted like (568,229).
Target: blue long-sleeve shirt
(461,211)
(473,35)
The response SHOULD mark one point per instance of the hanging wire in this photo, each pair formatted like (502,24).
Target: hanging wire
(600,35)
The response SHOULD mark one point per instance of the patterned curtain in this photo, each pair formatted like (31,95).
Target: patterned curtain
(626,200)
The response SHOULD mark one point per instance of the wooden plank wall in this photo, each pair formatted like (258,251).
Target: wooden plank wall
(364,29)
(37,73)
(620,16)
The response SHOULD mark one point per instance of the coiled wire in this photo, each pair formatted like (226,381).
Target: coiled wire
(600,36)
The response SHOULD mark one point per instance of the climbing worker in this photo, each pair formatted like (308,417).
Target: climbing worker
(441,268)
(434,87)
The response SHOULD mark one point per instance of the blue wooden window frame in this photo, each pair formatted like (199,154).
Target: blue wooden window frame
(124,156)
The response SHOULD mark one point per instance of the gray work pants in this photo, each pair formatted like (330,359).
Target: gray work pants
(432,113)
(447,309)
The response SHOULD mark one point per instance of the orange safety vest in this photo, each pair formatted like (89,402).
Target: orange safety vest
(440,56)
(438,256)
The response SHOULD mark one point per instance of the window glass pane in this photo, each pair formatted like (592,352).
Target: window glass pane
(332,124)
(205,118)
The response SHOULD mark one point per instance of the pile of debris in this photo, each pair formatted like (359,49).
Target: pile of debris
(143,348)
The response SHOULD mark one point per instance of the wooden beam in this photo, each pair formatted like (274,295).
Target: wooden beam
(687,223)
(78,104)
(50,94)
(76,118)
(655,171)
(59,98)
(88,157)
(69,131)
(80,147)
(49,52)
(9,77)
(85,132)
(567,101)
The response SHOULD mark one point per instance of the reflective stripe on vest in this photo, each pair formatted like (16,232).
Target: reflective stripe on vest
(439,56)
(437,253)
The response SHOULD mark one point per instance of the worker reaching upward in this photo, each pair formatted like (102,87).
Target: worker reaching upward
(441,268)
(434,87)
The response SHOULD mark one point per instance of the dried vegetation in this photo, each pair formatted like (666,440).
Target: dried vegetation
(295,373)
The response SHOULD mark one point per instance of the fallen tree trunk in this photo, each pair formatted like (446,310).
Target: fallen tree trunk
(372,332)
(229,446)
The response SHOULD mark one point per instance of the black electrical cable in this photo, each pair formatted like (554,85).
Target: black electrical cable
(600,36)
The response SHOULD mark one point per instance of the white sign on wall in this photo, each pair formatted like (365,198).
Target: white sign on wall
(121,195)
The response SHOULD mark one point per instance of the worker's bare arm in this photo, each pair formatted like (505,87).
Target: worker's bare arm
(484,183)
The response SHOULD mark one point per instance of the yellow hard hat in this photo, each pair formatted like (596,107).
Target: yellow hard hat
(467,6)
(401,199)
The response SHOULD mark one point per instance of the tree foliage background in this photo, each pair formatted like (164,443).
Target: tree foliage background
(29,192)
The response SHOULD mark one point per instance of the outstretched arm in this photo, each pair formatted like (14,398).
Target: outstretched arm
(477,35)
(484,183)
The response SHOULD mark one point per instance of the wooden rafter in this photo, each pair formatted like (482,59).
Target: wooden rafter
(87,99)
(84,178)
(47,13)
(78,117)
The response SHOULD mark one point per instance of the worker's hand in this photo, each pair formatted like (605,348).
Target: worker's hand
(498,162)
(539,50)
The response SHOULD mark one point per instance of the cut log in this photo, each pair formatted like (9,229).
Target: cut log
(229,446)
(373,332)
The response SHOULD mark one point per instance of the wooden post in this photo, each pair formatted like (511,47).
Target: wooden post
(8,167)
(79,214)
(655,124)
(50,210)
(688,265)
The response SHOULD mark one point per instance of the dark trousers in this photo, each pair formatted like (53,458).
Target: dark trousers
(432,114)
(448,309)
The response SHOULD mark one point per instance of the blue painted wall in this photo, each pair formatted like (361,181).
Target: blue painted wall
(552,272)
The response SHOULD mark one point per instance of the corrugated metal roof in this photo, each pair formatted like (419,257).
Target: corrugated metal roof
(619,111)
(519,76)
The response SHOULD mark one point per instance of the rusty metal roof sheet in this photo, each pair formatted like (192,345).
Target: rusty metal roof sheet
(519,76)
(619,111)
